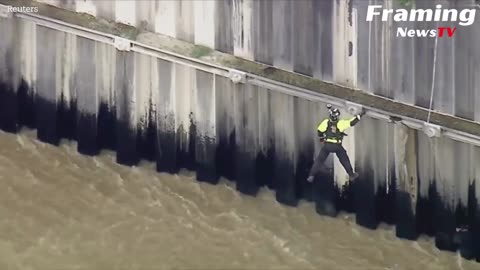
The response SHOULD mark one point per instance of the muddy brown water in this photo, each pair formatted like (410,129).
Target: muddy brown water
(62,210)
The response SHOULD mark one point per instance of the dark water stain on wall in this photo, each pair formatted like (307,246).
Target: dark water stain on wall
(186,145)
(245,171)
(45,117)
(284,184)
(405,216)
(66,118)
(26,105)
(167,157)
(166,136)
(364,198)
(385,199)
(225,158)
(424,210)
(147,134)
(474,222)
(107,137)
(8,107)
(205,165)
(304,163)
(126,143)
(444,223)
(127,152)
(225,128)
(468,222)
(87,134)
(265,166)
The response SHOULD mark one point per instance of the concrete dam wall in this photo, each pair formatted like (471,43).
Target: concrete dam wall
(72,87)
(329,40)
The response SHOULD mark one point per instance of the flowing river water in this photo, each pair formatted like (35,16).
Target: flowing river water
(63,210)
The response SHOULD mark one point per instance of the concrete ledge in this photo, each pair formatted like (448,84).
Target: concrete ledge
(227,60)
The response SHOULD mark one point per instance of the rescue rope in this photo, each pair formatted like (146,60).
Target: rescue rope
(433,79)
(389,180)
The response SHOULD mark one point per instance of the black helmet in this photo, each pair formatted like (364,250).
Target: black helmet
(334,114)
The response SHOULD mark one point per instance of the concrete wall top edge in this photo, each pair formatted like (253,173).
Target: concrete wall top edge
(257,69)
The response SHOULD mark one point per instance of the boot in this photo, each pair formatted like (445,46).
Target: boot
(353,176)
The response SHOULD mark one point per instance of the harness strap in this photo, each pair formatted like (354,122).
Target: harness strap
(331,140)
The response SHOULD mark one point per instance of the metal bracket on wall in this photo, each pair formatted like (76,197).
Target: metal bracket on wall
(242,77)
(237,76)
(432,130)
(122,44)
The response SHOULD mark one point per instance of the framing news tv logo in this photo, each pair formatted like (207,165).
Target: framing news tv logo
(465,17)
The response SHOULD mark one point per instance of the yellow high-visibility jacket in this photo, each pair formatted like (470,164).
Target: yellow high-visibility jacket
(334,132)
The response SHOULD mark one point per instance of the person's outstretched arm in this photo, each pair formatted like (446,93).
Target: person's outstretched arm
(355,120)
(345,124)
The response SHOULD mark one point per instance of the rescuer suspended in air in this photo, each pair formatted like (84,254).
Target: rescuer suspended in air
(331,133)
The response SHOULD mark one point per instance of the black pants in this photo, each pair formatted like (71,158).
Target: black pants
(325,151)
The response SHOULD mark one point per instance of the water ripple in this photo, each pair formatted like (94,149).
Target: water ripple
(62,210)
